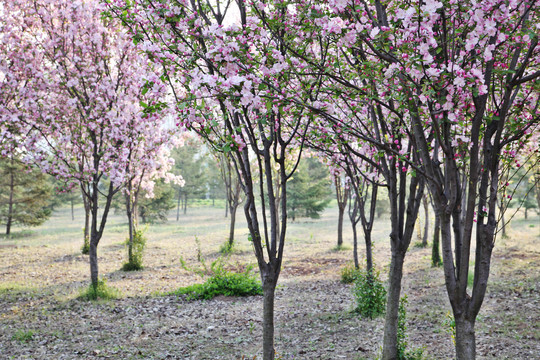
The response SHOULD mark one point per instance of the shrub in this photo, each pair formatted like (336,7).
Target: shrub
(349,273)
(403,352)
(369,293)
(139,243)
(100,292)
(226,248)
(223,282)
(85,250)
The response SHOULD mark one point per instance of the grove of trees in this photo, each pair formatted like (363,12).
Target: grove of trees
(433,103)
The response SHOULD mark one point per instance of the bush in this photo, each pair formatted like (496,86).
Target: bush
(139,243)
(403,353)
(85,250)
(100,292)
(369,293)
(223,282)
(226,248)
(349,273)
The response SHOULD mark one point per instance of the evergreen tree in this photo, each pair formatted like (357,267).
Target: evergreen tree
(155,209)
(25,194)
(308,192)
(190,162)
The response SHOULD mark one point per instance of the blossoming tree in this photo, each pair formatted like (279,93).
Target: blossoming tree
(92,105)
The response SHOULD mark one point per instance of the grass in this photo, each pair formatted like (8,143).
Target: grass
(23,336)
(31,268)
(100,292)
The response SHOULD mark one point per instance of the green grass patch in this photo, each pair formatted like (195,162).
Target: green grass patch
(100,292)
(23,336)
(341,248)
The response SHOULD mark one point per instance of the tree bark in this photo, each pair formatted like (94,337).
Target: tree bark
(129,213)
(72,211)
(435,254)
(340,227)
(185,203)
(355,246)
(465,339)
(268,319)
(392,307)
(178,205)
(10,206)
(232,224)
(342,195)
(369,253)
(426,225)
(86,230)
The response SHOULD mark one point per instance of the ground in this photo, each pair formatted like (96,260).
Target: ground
(42,273)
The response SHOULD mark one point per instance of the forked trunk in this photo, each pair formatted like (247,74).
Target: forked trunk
(390,342)
(269,288)
(465,339)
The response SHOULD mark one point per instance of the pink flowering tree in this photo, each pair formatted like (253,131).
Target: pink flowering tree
(444,91)
(232,86)
(89,120)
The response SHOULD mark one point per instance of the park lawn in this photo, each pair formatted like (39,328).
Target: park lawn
(42,272)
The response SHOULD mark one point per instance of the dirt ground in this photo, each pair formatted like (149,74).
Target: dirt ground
(42,272)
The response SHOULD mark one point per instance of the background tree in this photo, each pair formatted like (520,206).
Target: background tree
(156,209)
(233,190)
(342,195)
(25,194)
(190,160)
(309,190)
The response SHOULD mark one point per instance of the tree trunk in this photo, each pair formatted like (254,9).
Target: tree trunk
(269,288)
(10,206)
(340,227)
(72,211)
(390,344)
(93,263)
(369,253)
(435,255)
(178,205)
(465,339)
(426,225)
(503,226)
(355,246)
(129,213)
(231,228)
(185,203)
(86,230)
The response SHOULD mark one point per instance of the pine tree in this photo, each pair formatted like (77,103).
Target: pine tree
(308,192)
(25,195)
